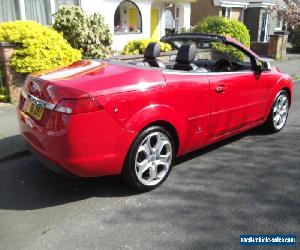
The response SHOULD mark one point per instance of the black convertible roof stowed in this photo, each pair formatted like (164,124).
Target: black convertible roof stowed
(194,36)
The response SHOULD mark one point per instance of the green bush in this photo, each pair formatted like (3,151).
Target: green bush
(4,96)
(224,26)
(136,47)
(39,47)
(89,34)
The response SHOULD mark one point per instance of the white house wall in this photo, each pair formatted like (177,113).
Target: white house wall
(184,15)
(187,15)
(107,9)
(162,23)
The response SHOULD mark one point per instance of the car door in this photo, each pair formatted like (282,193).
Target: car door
(230,98)
(238,98)
(189,93)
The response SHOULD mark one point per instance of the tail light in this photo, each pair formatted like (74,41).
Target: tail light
(79,106)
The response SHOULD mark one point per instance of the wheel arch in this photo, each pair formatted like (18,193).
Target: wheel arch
(289,94)
(169,127)
(160,115)
(282,84)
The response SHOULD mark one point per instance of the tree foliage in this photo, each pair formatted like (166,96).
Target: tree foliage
(223,26)
(289,13)
(89,34)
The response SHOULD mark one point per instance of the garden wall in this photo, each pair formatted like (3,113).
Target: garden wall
(12,79)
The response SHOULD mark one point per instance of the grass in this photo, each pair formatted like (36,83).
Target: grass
(4,95)
(296,77)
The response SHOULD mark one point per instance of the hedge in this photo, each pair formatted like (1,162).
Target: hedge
(136,47)
(39,47)
(224,26)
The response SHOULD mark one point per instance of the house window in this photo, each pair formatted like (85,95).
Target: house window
(177,17)
(9,10)
(168,19)
(278,24)
(177,12)
(38,10)
(226,12)
(127,18)
(59,3)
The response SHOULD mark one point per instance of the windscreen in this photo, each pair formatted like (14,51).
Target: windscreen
(210,49)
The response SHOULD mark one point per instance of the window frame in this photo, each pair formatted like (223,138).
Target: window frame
(280,21)
(252,58)
(251,70)
(50,8)
(56,6)
(176,16)
(227,12)
(177,11)
(139,16)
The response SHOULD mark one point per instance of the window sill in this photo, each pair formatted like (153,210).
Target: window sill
(127,33)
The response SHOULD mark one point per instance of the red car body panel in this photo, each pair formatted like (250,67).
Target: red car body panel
(132,98)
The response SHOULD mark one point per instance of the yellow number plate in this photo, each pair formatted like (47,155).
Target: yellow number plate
(34,110)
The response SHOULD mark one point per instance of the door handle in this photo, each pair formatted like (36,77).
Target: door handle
(221,89)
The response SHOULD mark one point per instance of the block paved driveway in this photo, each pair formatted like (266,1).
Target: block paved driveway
(247,184)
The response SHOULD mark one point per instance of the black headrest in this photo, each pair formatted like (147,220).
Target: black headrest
(186,54)
(152,50)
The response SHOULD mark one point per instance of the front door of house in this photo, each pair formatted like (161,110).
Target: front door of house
(154,28)
(264,27)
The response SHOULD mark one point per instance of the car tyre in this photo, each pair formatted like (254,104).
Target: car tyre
(278,114)
(150,158)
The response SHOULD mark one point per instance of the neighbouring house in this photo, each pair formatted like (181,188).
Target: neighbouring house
(128,20)
(232,9)
(256,14)
(261,21)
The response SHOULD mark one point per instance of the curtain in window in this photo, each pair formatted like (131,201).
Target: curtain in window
(38,10)
(9,10)
(59,3)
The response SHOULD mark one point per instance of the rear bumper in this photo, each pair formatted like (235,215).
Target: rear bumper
(86,145)
(54,166)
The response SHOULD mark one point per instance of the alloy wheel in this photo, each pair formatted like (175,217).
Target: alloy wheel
(280,111)
(153,159)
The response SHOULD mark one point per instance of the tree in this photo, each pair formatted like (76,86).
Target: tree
(90,34)
(289,13)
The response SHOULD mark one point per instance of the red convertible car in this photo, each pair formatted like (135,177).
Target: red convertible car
(98,118)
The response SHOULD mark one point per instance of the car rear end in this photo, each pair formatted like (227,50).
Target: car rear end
(70,129)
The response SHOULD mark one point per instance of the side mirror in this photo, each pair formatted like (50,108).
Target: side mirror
(267,66)
(261,65)
(172,58)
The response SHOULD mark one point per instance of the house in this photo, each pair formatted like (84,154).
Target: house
(128,19)
(261,21)
(255,14)
(232,9)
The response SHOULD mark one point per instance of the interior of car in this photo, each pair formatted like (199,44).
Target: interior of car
(197,56)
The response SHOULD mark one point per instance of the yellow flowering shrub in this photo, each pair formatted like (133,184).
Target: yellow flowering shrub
(136,47)
(38,47)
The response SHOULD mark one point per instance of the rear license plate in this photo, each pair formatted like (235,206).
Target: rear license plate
(33,109)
